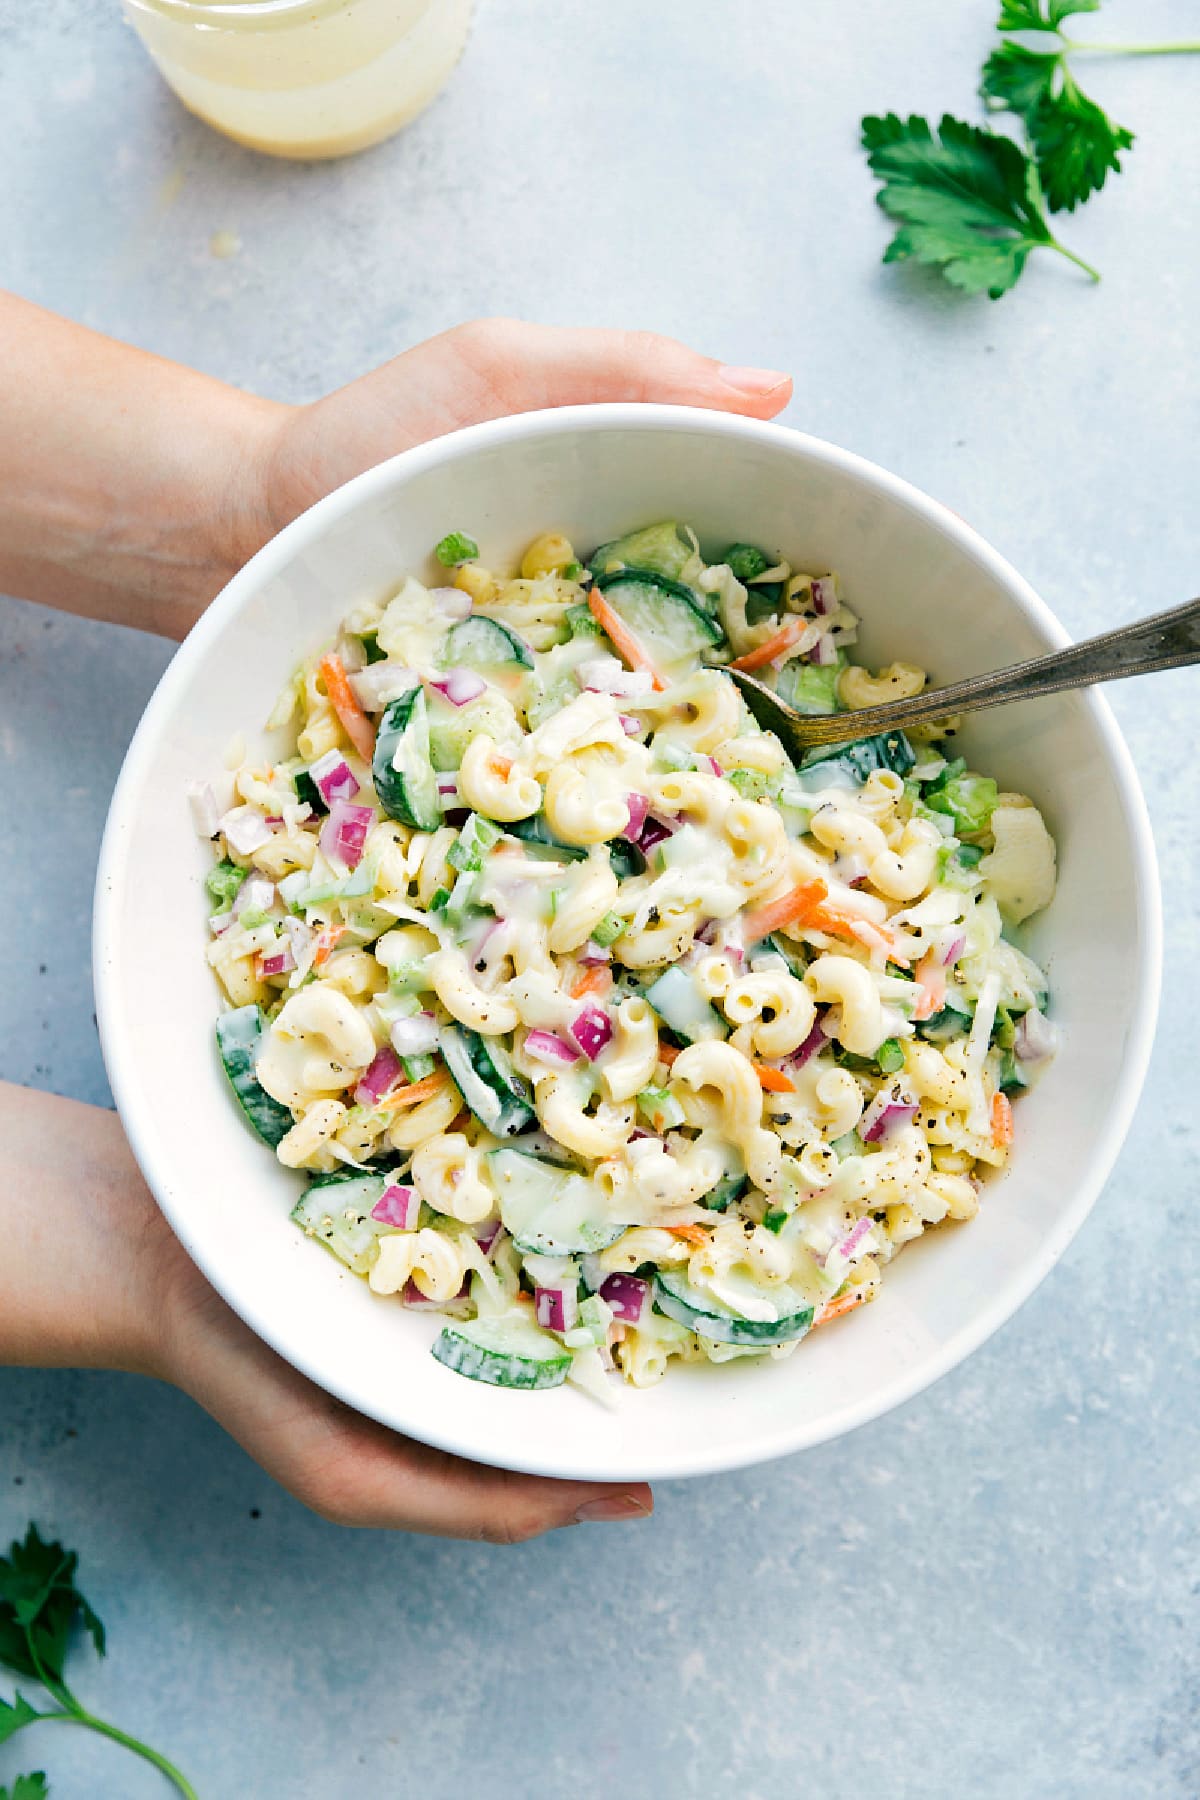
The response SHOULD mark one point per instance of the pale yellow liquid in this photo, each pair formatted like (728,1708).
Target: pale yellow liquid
(304,78)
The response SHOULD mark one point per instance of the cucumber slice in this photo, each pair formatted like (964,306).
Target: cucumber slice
(504,1352)
(337,1211)
(727,1190)
(681,1007)
(860,759)
(487,1081)
(402,770)
(239,1035)
(451,728)
(657,549)
(675,1296)
(535,830)
(665,617)
(482,644)
(548,1210)
(626,859)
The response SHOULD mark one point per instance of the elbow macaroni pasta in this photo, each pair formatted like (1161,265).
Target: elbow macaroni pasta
(741,1029)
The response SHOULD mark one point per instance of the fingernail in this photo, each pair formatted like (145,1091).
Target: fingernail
(752,381)
(612,1507)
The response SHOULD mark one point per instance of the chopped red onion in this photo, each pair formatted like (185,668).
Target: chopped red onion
(824,651)
(398,1206)
(888,1109)
(460,686)
(631,727)
(300,936)
(556,1308)
(849,1244)
(256,892)
(245,829)
(638,806)
(850,869)
(816,1040)
(344,832)
(411,1295)
(447,787)
(715,766)
(627,1295)
(594,956)
(824,597)
(203,805)
(653,832)
(332,776)
(382,1074)
(278,962)
(952,950)
(351,654)
(1035,1038)
(486,1235)
(219,922)
(548,1047)
(416,1036)
(453,603)
(592,1031)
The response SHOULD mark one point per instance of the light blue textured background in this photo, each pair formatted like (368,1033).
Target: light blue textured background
(990,1593)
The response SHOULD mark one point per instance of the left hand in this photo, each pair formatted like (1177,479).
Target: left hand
(485,370)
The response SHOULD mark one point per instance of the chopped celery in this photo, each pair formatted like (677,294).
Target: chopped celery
(810,687)
(416,1068)
(608,930)
(251,917)
(407,978)
(660,1109)
(849,1145)
(440,901)
(580,622)
(747,561)
(890,1056)
(1012,1075)
(754,784)
(571,571)
(456,547)
(473,843)
(776,1218)
(223,882)
(967,799)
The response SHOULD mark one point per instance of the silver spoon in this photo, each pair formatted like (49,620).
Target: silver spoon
(1169,640)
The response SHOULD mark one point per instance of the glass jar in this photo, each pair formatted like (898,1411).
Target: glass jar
(304,78)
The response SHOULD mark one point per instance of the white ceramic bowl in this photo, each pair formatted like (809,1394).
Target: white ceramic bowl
(929,591)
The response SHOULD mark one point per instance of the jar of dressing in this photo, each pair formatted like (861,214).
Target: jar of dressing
(304,78)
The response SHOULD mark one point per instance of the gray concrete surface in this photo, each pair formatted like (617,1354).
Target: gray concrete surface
(990,1593)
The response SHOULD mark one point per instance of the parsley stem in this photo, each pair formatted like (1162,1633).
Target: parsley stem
(80,1717)
(1077,260)
(1177,49)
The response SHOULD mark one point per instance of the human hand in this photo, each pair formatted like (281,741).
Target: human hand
(93,1275)
(484,370)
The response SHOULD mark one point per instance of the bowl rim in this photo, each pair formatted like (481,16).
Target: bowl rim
(272,558)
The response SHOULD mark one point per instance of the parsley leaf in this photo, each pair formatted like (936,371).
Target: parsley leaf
(40,1604)
(968,201)
(26,1787)
(1075,142)
(1027,15)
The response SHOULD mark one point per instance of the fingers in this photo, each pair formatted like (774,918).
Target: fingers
(487,370)
(355,1472)
(529,366)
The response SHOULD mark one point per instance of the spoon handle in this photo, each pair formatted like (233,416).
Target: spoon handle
(1168,640)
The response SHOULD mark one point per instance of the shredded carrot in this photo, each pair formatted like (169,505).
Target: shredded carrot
(793,908)
(775,646)
(773,1080)
(353,719)
(667,1052)
(592,981)
(931,977)
(327,943)
(691,1234)
(614,625)
(416,1091)
(836,1308)
(1002,1120)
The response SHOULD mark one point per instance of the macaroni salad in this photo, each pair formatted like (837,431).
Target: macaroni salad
(596,1025)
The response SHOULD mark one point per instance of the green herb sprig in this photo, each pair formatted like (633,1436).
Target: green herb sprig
(40,1604)
(972,202)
